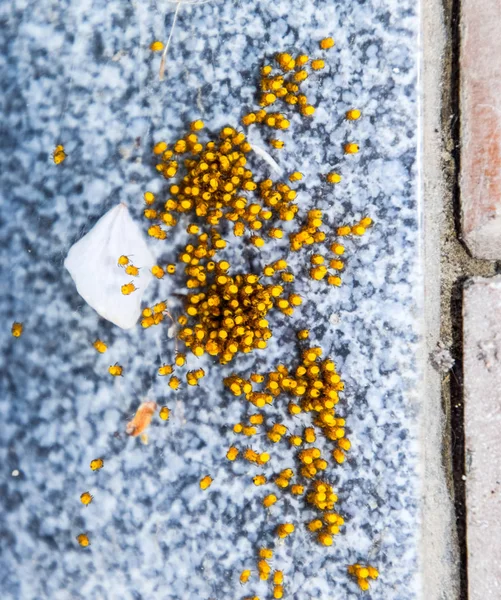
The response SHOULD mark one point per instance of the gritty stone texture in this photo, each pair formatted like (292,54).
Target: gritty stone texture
(481,127)
(440,564)
(80,73)
(482,374)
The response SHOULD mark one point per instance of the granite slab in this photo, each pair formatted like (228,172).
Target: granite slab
(81,74)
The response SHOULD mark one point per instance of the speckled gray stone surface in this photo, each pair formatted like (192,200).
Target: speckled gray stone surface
(81,74)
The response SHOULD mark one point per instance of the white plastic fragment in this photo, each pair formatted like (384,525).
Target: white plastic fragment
(267,158)
(92,263)
(261,152)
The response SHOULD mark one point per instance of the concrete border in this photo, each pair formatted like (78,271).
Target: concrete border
(439,549)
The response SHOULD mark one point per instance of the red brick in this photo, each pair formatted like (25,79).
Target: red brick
(481,127)
(482,411)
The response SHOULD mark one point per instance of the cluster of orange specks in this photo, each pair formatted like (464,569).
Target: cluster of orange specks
(154,316)
(130,269)
(263,566)
(124,262)
(323,384)
(246,430)
(321,495)
(238,385)
(86,498)
(258,458)
(326,527)
(232,453)
(157,271)
(312,462)
(193,377)
(285,529)
(230,313)
(278,584)
(357,229)
(230,316)
(282,82)
(363,573)
(280,198)
(310,233)
(216,177)
(274,120)
(285,83)
(276,433)
(283,480)
(157,232)
(264,572)
(227,313)
(314,386)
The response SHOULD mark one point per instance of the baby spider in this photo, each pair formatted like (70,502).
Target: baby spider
(17,329)
(205,482)
(115,370)
(100,346)
(96,464)
(123,260)
(132,270)
(128,288)
(59,155)
(86,498)
(83,540)
(245,575)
